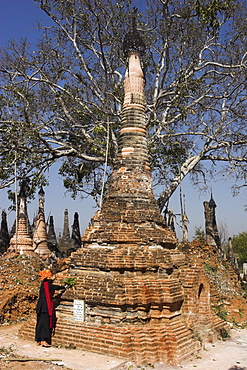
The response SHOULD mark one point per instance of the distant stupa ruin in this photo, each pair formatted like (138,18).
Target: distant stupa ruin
(211,229)
(40,239)
(66,243)
(4,233)
(21,241)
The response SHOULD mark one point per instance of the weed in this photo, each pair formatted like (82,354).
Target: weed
(224,333)
(69,282)
(4,350)
(210,269)
(18,281)
(235,323)
(241,313)
(221,312)
(244,288)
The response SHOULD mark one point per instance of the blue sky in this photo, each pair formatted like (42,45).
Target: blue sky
(17,19)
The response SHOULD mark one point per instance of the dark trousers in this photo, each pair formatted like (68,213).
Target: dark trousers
(43,330)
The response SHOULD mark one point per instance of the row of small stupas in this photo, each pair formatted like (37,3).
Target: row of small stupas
(27,239)
(36,238)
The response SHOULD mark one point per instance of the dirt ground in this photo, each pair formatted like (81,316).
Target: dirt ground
(19,286)
(230,354)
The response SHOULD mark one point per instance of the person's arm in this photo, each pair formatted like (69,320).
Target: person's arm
(54,287)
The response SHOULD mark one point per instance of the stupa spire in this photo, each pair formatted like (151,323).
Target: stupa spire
(40,240)
(211,229)
(76,234)
(130,200)
(51,235)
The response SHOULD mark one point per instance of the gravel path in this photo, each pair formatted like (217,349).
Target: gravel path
(230,354)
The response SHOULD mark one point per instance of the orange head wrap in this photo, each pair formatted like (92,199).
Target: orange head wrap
(45,274)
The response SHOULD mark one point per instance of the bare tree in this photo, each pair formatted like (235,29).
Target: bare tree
(62,99)
(223,234)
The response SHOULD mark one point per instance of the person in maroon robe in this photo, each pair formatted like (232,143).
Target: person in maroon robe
(45,309)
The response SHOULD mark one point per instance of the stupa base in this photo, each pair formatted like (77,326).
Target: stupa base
(170,343)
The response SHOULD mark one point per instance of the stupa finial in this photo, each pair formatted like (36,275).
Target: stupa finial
(133,40)
(212,203)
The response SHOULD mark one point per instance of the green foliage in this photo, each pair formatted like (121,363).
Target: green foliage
(221,312)
(70,282)
(210,13)
(208,268)
(244,287)
(62,98)
(200,235)
(224,333)
(239,245)
(18,281)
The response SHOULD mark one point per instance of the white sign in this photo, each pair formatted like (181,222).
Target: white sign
(79,310)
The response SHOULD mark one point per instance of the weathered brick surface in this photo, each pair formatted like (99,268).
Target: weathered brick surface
(127,258)
(169,342)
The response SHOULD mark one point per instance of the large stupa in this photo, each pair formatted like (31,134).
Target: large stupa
(136,295)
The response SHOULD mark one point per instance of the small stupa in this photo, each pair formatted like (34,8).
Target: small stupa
(4,233)
(211,229)
(51,235)
(76,234)
(24,188)
(40,240)
(65,242)
(21,241)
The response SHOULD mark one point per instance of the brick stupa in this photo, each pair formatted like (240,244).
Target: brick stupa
(140,297)
(21,241)
(40,239)
(64,242)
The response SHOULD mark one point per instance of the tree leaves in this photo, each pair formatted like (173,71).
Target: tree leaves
(62,99)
